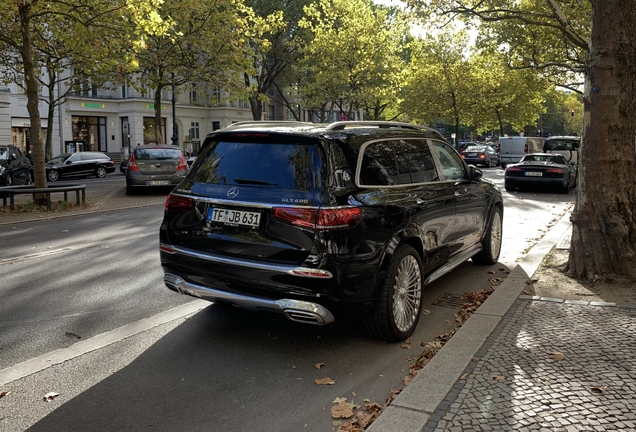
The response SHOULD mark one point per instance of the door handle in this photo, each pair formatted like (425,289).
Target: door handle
(420,201)
(458,193)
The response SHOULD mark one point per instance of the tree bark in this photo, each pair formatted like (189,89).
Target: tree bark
(158,129)
(604,216)
(32,94)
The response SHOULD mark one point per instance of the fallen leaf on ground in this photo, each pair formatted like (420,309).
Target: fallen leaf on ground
(354,394)
(598,389)
(50,396)
(463,377)
(4,393)
(341,410)
(339,399)
(556,355)
(426,311)
(294,367)
(405,346)
(318,365)
(324,381)
(64,230)
(73,335)
(498,377)
(475,359)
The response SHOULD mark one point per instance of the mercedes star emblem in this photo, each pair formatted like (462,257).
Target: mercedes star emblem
(232,193)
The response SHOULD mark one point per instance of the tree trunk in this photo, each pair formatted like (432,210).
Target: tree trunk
(257,108)
(32,94)
(158,129)
(604,217)
(48,148)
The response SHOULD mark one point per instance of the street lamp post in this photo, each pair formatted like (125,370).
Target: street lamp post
(175,138)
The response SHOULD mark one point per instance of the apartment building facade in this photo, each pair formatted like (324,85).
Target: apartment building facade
(114,120)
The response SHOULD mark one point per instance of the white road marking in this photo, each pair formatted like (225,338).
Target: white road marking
(44,361)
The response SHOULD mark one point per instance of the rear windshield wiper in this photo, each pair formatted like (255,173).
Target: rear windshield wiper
(241,180)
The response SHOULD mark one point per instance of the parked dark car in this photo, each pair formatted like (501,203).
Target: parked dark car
(347,220)
(15,167)
(542,170)
(152,166)
(481,155)
(81,164)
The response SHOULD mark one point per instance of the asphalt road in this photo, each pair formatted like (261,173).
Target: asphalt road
(65,282)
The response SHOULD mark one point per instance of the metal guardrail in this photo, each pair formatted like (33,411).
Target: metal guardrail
(11,191)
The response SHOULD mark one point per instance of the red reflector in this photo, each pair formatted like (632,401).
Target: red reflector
(333,218)
(166,248)
(316,274)
(177,203)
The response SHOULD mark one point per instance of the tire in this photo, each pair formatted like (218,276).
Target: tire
(510,188)
(503,165)
(100,172)
(130,190)
(491,243)
(564,188)
(52,175)
(397,309)
(488,163)
(8,179)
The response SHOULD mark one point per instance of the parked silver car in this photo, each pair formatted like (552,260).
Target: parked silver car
(152,166)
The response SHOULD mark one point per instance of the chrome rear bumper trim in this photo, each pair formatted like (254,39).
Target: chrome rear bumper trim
(295,310)
(292,270)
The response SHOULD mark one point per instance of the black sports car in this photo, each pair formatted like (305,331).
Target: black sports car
(541,169)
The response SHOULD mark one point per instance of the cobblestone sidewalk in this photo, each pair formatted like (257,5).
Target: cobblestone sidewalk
(549,366)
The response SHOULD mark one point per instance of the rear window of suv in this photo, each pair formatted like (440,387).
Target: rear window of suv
(157,154)
(292,165)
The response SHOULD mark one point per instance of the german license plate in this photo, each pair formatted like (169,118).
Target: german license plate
(534,174)
(159,183)
(472,154)
(234,217)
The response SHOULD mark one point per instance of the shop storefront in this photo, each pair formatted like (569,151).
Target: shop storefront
(21,133)
(88,133)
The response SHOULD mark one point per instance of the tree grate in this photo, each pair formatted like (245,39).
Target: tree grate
(450,301)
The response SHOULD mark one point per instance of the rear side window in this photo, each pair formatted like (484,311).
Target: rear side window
(291,165)
(397,162)
(157,154)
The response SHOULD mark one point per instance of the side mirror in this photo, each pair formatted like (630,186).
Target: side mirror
(68,162)
(475,173)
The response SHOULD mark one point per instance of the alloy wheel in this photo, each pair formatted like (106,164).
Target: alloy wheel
(407,293)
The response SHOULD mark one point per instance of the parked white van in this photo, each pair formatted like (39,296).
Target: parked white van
(512,149)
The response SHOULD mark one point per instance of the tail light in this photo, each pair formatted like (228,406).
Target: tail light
(176,203)
(183,165)
(482,156)
(132,165)
(332,218)
(463,155)
(513,169)
(555,170)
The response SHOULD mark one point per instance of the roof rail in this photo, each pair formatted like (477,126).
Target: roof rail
(249,123)
(373,123)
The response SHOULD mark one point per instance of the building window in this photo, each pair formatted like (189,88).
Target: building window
(124,91)
(193,96)
(194,131)
(216,125)
(271,112)
(90,132)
